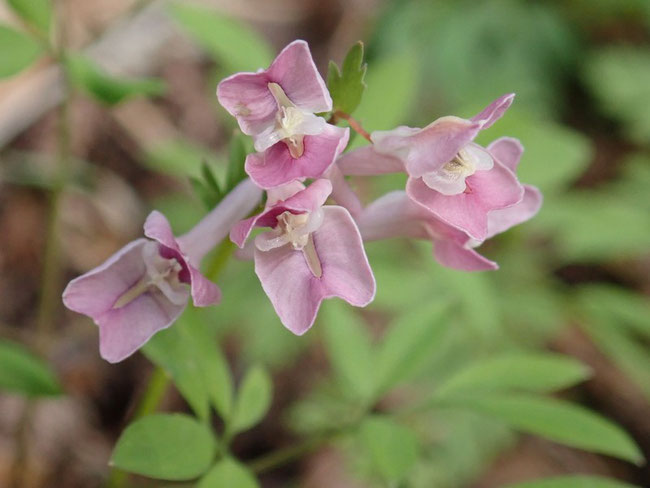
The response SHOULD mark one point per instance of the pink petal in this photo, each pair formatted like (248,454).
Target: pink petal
(276,166)
(392,215)
(279,193)
(157,227)
(95,292)
(342,193)
(204,292)
(452,255)
(508,151)
(247,98)
(296,294)
(488,190)
(503,219)
(494,111)
(430,148)
(294,70)
(216,225)
(366,161)
(346,271)
(124,330)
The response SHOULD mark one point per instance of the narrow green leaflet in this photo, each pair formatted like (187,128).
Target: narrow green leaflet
(237,158)
(229,473)
(173,350)
(206,187)
(348,348)
(534,372)
(619,306)
(393,448)
(231,42)
(573,482)
(409,342)
(556,420)
(18,51)
(619,77)
(37,13)
(253,400)
(346,85)
(22,372)
(190,354)
(108,89)
(167,447)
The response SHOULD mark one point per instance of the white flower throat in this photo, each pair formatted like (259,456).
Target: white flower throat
(161,274)
(290,126)
(295,230)
(450,179)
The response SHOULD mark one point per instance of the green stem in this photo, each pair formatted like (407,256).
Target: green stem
(148,403)
(153,395)
(286,455)
(218,262)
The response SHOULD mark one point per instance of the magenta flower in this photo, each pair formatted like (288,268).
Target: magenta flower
(145,286)
(278,108)
(312,252)
(456,179)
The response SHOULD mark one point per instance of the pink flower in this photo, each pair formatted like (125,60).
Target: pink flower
(457,180)
(278,108)
(144,287)
(312,252)
(396,215)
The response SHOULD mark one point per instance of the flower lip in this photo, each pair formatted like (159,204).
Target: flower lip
(451,178)
(306,200)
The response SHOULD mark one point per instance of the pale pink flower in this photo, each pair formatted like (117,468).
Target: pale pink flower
(145,286)
(312,252)
(278,107)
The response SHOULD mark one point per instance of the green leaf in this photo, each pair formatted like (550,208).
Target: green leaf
(165,446)
(409,342)
(237,46)
(236,160)
(392,447)
(346,86)
(619,77)
(229,473)
(534,372)
(37,13)
(556,420)
(108,89)
(18,51)
(348,348)
(190,354)
(22,372)
(591,225)
(253,400)
(575,481)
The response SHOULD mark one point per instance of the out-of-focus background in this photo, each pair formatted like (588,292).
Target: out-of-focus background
(574,280)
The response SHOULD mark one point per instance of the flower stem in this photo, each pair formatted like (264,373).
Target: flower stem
(353,123)
(286,455)
(148,403)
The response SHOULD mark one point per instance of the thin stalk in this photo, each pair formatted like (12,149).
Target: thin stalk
(353,123)
(281,457)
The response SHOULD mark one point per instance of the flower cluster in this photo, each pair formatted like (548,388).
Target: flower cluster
(458,195)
